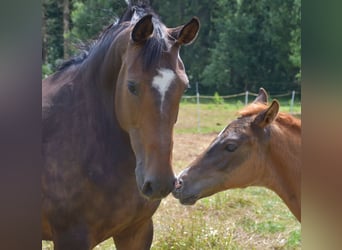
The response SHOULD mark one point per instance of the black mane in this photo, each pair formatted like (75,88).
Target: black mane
(151,51)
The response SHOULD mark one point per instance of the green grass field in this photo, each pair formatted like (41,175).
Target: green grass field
(250,218)
(210,117)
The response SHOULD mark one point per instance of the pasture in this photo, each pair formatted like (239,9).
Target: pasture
(251,218)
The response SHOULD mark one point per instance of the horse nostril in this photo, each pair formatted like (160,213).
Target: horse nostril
(178,184)
(155,189)
(147,189)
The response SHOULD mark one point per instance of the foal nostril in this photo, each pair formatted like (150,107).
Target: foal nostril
(147,189)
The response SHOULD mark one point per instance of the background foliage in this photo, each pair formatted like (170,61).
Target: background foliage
(242,44)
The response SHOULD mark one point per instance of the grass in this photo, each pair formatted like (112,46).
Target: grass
(250,218)
(235,219)
(211,117)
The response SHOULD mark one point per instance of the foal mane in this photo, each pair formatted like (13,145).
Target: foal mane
(151,50)
(284,119)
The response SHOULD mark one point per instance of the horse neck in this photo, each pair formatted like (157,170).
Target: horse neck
(98,83)
(105,61)
(284,166)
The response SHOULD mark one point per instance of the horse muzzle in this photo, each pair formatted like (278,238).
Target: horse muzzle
(179,193)
(154,187)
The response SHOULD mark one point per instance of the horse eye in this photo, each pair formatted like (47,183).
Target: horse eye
(231,147)
(132,87)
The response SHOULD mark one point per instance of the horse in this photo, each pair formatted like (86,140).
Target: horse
(107,133)
(262,147)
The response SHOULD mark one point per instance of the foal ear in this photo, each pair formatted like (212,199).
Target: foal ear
(262,96)
(143,29)
(264,118)
(186,33)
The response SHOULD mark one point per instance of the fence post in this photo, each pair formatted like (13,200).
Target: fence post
(198,108)
(246,98)
(292,101)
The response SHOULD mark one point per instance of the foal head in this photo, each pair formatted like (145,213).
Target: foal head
(234,159)
(149,87)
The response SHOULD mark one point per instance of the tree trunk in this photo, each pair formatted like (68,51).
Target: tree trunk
(66,28)
(44,53)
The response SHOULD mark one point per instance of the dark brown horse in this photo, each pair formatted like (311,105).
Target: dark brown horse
(260,148)
(108,118)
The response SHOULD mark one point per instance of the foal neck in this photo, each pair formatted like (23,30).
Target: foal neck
(284,168)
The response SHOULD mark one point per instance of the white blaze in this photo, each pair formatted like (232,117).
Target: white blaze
(162,83)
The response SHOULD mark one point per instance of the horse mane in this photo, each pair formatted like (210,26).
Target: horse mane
(152,49)
(282,118)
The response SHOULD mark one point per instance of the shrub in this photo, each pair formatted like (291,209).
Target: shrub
(218,99)
(46,70)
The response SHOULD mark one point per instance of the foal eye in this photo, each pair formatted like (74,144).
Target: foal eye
(231,147)
(132,87)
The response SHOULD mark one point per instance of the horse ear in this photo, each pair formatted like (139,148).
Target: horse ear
(267,116)
(143,29)
(186,33)
(262,96)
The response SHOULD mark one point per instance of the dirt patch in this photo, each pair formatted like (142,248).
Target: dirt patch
(189,146)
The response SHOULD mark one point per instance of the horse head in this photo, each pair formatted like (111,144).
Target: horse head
(149,87)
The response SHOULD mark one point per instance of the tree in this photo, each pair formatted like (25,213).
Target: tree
(52,32)
(90,17)
(69,24)
(295,43)
(242,44)
(254,46)
(66,27)
(217,73)
(197,55)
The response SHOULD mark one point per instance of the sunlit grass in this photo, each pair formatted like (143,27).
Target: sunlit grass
(251,218)
(209,117)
